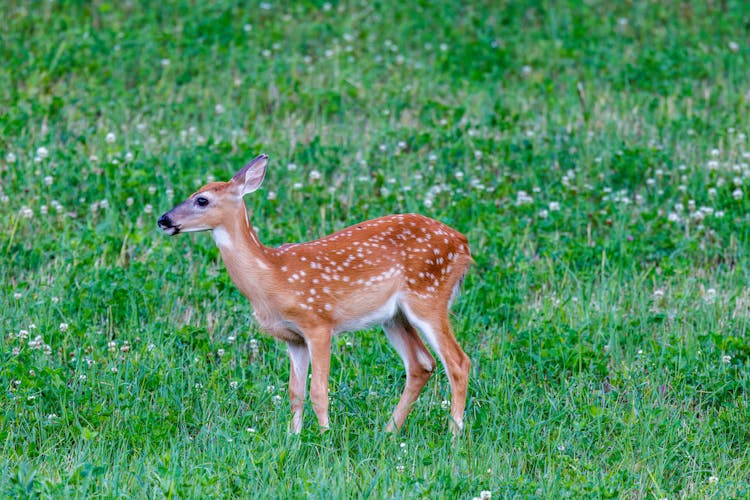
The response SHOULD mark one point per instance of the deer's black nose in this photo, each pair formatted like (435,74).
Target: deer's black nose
(164,221)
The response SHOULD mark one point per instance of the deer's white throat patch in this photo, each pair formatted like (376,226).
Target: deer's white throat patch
(222,238)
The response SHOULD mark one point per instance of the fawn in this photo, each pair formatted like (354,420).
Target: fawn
(398,271)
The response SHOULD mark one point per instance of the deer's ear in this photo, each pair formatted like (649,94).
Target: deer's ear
(250,177)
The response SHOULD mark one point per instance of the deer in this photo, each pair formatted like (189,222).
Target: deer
(399,271)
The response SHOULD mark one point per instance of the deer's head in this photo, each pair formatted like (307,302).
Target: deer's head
(211,205)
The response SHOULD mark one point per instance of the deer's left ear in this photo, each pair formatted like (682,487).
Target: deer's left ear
(250,177)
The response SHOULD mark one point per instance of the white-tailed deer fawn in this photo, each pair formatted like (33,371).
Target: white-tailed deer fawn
(399,271)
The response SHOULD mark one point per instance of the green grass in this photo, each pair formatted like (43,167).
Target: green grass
(606,318)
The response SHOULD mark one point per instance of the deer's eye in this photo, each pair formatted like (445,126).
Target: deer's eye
(201,201)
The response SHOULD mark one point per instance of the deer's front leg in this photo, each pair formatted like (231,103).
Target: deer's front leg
(299,357)
(319,345)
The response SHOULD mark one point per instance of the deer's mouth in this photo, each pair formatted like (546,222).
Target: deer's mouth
(166,224)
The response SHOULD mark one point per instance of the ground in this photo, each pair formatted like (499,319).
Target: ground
(594,153)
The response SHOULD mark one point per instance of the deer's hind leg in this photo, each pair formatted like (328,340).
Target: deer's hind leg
(435,326)
(418,363)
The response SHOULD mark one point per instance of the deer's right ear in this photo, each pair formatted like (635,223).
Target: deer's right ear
(250,177)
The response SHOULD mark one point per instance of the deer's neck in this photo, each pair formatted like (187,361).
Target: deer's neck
(245,258)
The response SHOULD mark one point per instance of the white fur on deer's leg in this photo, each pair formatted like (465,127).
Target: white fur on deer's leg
(299,361)
(418,363)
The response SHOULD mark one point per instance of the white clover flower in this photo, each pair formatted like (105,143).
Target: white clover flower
(523,198)
(485,495)
(42,152)
(110,138)
(148,208)
(44,210)
(734,46)
(220,353)
(272,195)
(219,109)
(726,359)
(152,190)
(129,201)
(128,156)
(253,344)
(63,327)
(715,152)
(543,213)
(165,62)
(233,384)
(10,158)
(737,194)
(247,28)
(554,206)
(276,399)
(27,213)
(713,480)
(526,70)
(314,175)
(48,180)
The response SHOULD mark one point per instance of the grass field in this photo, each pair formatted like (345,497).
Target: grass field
(596,155)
